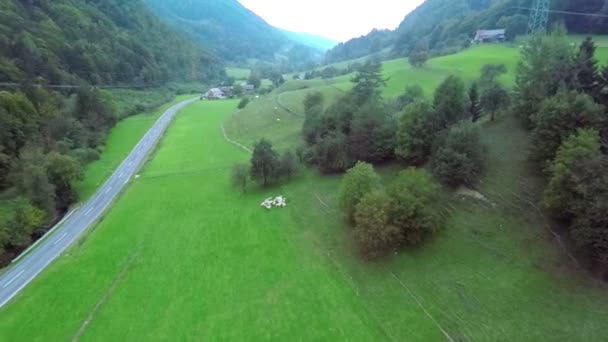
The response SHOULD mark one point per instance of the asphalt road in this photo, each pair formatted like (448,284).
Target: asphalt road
(25,270)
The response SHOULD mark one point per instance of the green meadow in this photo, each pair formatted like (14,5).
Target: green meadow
(184,256)
(121,140)
(238,73)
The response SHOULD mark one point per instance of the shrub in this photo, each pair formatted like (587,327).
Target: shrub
(243,103)
(412,205)
(459,157)
(374,233)
(357,182)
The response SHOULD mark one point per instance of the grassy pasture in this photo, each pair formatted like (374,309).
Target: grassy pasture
(259,118)
(238,73)
(121,140)
(184,256)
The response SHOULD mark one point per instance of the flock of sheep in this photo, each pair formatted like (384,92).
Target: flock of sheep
(277,202)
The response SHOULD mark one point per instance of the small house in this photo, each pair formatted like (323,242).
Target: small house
(227,91)
(214,94)
(488,36)
(248,88)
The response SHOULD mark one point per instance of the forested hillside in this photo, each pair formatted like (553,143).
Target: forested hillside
(361,46)
(233,31)
(53,117)
(446,26)
(311,40)
(65,41)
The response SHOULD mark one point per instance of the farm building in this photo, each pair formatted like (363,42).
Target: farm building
(227,91)
(248,88)
(214,94)
(485,36)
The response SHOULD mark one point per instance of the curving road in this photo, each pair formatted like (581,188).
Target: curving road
(23,272)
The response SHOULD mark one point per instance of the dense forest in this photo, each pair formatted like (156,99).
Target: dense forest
(361,46)
(447,26)
(48,133)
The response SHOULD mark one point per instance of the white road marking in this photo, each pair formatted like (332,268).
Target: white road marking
(110,188)
(88,211)
(121,174)
(60,238)
(13,279)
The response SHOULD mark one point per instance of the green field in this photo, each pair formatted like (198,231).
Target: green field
(238,73)
(183,256)
(259,119)
(121,140)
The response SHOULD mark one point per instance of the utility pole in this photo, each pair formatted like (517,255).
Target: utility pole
(539,17)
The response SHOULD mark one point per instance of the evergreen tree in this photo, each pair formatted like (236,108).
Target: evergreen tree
(474,106)
(587,74)
(368,82)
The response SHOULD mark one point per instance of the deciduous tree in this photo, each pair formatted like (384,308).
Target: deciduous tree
(559,117)
(561,192)
(63,172)
(459,157)
(289,164)
(416,132)
(412,210)
(265,165)
(358,181)
(450,101)
(374,232)
(474,105)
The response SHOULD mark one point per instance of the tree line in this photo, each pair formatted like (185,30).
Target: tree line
(561,97)
(362,129)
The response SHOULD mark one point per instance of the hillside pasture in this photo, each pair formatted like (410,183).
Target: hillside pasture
(192,258)
(238,73)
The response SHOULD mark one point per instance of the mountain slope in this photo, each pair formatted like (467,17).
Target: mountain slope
(314,41)
(448,25)
(233,31)
(63,41)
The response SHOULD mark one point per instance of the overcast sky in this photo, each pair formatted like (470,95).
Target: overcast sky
(339,20)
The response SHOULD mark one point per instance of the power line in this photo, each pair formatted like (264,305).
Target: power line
(597,15)
(539,17)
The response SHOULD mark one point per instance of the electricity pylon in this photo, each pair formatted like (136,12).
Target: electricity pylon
(539,17)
